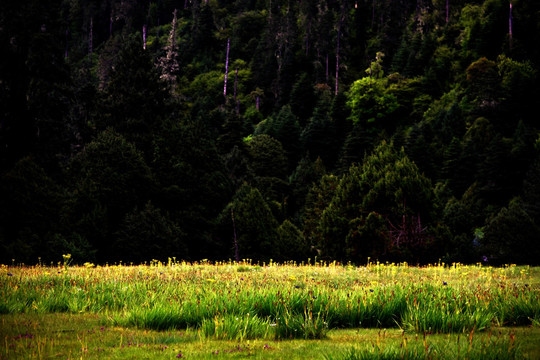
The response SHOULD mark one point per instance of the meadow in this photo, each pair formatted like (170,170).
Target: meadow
(271,311)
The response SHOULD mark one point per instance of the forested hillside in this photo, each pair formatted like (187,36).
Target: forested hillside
(396,130)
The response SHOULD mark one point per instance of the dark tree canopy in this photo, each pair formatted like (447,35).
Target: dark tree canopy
(396,130)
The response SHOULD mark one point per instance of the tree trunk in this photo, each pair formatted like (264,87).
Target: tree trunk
(226,69)
(91,37)
(308,32)
(510,26)
(67,41)
(373,14)
(110,24)
(342,17)
(236,253)
(144,36)
(327,68)
(235,83)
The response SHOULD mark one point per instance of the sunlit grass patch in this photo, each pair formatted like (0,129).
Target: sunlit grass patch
(275,303)
(233,327)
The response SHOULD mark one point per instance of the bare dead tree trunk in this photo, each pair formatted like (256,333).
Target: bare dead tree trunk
(337,66)
(144,36)
(510,26)
(373,14)
(91,37)
(326,68)
(235,83)
(307,36)
(258,103)
(342,17)
(110,24)
(226,69)
(67,41)
(447,10)
(236,253)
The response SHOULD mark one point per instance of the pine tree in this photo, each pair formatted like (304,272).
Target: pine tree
(109,178)
(290,243)
(268,157)
(302,99)
(512,236)
(148,233)
(134,100)
(254,225)
(194,185)
(317,200)
(29,212)
(371,200)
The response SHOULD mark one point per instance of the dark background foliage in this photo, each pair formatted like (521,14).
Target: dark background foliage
(395,130)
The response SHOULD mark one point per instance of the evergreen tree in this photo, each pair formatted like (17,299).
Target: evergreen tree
(512,236)
(134,100)
(531,189)
(318,199)
(267,157)
(194,185)
(303,178)
(303,99)
(290,244)
(355,147)
(148,234)
(382,207)
(319,138)
(286,129)
(255,226)
(109,178)
(29,212)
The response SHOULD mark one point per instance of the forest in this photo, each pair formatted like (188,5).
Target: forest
(353,130)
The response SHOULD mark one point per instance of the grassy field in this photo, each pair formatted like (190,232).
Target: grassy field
(326,311)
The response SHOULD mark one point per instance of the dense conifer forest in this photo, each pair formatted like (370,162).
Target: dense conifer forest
(391,130)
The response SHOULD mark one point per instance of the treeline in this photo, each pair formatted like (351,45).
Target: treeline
(392,130)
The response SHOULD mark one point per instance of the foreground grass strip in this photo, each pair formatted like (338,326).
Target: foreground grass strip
(62,336)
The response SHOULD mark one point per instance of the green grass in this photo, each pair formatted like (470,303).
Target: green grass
(63,336)
(308,311)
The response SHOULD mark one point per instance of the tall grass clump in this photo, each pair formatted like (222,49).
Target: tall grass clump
(443,309)
(158,318)
(240,328)
(368,308)
(517,305)
(431,319)
(301,326)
